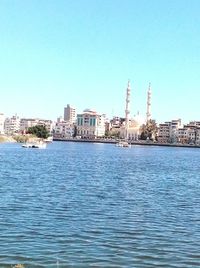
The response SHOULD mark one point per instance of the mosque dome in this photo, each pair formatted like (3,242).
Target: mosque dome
(137,121)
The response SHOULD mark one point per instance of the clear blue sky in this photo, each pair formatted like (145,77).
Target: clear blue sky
(82,52)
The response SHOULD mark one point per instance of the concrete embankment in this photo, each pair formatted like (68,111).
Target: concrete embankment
(143,143)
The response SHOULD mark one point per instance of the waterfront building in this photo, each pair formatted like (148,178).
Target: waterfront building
(63,130)
(192,135)
(49,124)
(168,131)
(183,135)
(174,126)
(26,123)
(116,122)
(69,114)
(113,127)
(130,128)
(90,124)
(163,132)
(12,125)
(2,120)
(193,130)
(134,128)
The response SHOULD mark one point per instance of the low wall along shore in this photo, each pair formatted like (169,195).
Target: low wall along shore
(111,141)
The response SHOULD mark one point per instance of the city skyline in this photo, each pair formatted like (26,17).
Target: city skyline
(58,53)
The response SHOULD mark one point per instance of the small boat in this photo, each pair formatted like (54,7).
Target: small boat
(49,139)
(123,144)
(38,145)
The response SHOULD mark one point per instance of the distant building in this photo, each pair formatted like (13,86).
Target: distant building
(2,120)
(26,123)
(69,114)
(12,125)
(90,124)
(133,131)
(64,130)
(193,132)
(130,128)
(169,131)
(60,119)
(113,127)
(116,122)
(183,135)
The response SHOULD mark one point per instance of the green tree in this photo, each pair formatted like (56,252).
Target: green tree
(39,131)
(75,131)
(149,130)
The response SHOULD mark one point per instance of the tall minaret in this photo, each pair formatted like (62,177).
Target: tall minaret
(127,111)
(148,104)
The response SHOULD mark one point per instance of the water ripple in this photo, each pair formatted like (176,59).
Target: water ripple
(89,205)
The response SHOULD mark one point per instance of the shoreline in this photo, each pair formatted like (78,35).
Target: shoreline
(132,142)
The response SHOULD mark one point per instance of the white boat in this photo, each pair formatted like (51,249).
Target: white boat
(123,144)
(49,139)
(38,145)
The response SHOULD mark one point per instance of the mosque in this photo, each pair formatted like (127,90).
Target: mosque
(131,128)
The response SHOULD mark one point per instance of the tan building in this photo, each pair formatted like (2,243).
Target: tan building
(25,123)
(183,135)
(90,124)
(63,130)
(193,131)
(133,130)
(169,131)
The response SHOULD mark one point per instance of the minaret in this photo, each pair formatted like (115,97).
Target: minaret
(127,111)
(148,104)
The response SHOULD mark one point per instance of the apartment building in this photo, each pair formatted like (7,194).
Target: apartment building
(26,123)
(183,135)
(164,132)
(193,130)
(64,130)
(12,125)
(69,114)
(168,131)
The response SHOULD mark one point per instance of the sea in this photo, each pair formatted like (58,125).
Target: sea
(78,204)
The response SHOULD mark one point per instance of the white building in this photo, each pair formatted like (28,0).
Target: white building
(63,130)
(26,123)
(69,114)
(90,124)
(12,125)
(134,128)
(2,120)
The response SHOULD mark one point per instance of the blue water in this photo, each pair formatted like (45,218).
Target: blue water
(97,205)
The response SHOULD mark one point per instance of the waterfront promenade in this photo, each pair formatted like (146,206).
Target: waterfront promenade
(114,141)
